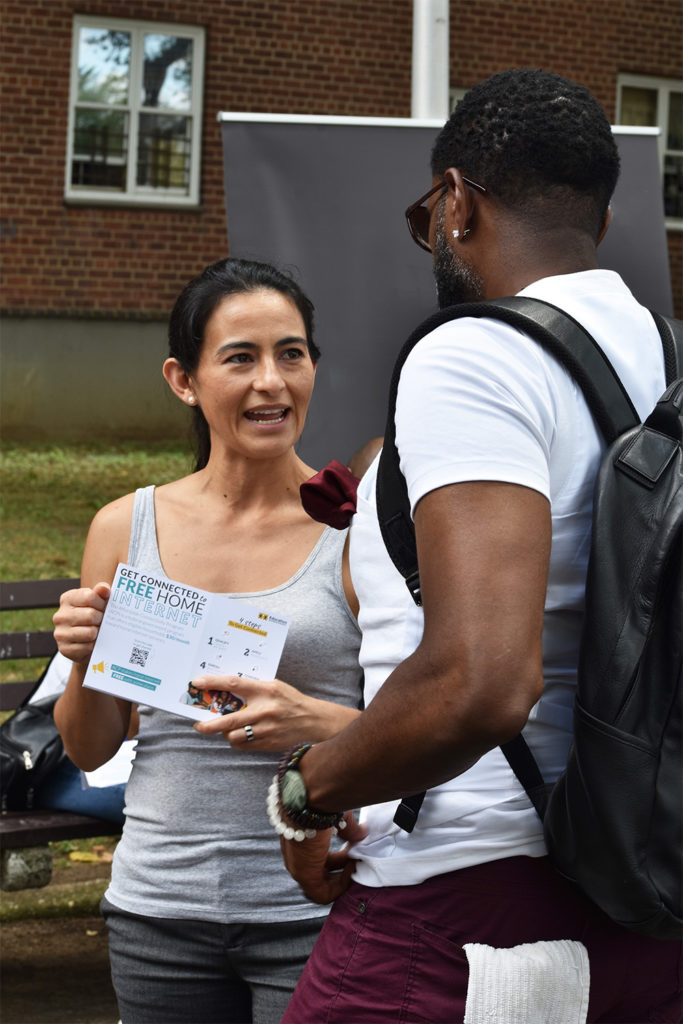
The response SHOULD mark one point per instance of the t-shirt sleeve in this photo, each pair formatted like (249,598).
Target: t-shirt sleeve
(475,402)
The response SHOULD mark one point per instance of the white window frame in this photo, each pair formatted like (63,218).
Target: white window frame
(664,87)
(455,94)
(135,194)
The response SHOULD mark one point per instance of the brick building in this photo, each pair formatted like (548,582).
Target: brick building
(111,199)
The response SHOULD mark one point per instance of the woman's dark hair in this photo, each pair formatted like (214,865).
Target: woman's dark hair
(539,142)
(198,300)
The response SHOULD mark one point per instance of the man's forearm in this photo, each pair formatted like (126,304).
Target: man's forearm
(477,672)
(413,736)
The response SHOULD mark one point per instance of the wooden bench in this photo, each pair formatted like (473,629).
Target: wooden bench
(20,830)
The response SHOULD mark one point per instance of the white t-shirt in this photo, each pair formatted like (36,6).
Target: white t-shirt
(478,400)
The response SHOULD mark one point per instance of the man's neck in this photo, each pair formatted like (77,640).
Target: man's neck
(523,258)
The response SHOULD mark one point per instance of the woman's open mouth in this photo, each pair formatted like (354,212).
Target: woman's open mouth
(267,416)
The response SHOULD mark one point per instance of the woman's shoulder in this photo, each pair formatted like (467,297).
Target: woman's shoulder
(115,512)
(119,513)
(107,541)
(179,488)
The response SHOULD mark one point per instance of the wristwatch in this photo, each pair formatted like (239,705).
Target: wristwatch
(294,797)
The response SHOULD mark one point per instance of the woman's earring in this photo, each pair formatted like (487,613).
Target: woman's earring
(191,400)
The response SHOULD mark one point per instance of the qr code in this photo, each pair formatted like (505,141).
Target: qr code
(138,656)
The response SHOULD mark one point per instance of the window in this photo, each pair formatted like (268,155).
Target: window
(135,112)
(455,94)
(658,102)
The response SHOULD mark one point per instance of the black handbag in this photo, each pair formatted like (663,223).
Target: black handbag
(30,750)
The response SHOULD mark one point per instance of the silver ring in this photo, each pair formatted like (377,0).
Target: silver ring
(250,733)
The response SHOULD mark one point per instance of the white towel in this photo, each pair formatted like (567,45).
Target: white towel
(535,983)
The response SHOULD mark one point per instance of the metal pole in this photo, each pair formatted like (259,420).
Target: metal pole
(430,72)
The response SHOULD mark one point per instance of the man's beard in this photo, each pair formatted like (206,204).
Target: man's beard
(456,280)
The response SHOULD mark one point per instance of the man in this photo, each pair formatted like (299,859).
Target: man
(500,454)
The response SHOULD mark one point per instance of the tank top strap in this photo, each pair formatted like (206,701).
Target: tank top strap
(322,571)
(143,549)
(326,555)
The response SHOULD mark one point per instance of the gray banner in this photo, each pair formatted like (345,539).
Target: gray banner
(326,199)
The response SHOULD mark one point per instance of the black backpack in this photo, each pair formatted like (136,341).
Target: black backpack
(30,750)
(613,821)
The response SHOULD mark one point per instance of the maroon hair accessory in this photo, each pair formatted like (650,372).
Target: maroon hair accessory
(330,496)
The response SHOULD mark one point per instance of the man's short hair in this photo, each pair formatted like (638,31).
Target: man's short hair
(538,142)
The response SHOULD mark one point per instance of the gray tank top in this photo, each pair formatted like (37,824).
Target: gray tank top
(197,842)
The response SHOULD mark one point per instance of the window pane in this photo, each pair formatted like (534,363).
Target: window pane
(638,106)
(673,186)
(164,149)
(167,72)
(100,146)
(675,133)
(103,66)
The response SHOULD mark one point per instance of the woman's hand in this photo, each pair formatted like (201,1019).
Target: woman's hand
(277,714)
(77,621)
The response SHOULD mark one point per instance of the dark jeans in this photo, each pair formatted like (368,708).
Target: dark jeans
(395,954)
(168,971)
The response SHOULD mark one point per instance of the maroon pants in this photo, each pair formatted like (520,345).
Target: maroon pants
(395,954)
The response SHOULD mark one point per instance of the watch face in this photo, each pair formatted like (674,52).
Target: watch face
(293,791)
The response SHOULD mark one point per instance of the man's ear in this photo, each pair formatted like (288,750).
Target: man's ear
(459,206)
(605,224)
(179,381)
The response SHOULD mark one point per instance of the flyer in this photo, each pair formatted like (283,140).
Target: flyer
(157,635)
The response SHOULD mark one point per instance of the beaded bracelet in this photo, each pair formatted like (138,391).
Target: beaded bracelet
(305,821)
(280,826)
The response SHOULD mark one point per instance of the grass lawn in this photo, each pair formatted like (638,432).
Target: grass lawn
(49,494)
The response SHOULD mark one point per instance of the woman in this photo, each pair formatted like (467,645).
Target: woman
(204,922)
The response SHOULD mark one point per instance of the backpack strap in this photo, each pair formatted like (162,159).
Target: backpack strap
(610,406)
(671,333)
(560,335)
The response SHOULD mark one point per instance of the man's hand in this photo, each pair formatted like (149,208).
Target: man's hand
(322,874)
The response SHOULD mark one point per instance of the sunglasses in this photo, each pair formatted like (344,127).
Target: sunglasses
(418,216)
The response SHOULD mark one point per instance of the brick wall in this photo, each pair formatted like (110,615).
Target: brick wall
(330,58)
(589,41)
(343,57)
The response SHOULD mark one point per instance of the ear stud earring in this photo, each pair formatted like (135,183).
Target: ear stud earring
(456,233)
(191,400)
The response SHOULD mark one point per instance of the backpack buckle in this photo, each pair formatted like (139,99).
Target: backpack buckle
(413,585)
